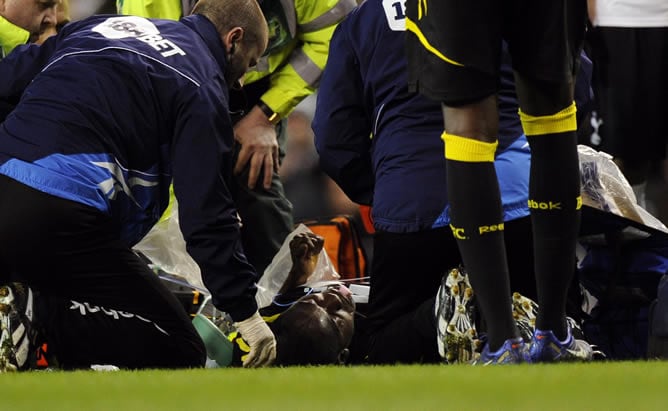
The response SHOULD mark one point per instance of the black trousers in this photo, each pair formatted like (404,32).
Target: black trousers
(98,303)
(266,215)
(630,84)
(398,325)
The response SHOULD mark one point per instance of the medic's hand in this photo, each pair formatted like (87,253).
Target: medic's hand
(259,147)
(260,339)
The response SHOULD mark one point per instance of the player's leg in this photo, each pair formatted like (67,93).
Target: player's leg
(545,87)
(398,325)
(454,56)
(631,97)
(98,302)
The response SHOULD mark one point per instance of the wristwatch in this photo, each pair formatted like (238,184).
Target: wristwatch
(272,116)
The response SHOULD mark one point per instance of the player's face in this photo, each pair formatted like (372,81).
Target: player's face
(334,306)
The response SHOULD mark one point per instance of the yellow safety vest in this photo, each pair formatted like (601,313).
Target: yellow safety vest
(11,36)
(300,31)
(157,9)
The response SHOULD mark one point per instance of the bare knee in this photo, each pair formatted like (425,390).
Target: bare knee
(478,120)
(540,97)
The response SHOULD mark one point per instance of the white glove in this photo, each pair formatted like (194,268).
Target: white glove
(260,339)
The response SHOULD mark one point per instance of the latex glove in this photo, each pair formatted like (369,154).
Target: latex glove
(259,147)
(260,339)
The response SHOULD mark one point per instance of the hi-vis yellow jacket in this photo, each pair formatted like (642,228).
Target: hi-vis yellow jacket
(11,36)
(299,30)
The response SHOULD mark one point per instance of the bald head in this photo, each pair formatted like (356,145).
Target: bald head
(227,15)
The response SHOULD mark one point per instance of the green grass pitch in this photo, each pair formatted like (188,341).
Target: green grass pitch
(597,386)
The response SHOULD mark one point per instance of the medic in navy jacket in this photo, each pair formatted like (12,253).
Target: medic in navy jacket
(78,138)
(381,143)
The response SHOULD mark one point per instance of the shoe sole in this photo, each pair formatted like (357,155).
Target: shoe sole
(457,337)
(14,328)
(524,313)
(7,355)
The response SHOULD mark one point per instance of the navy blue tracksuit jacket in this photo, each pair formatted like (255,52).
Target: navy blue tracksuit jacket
(381,143)
(116,107)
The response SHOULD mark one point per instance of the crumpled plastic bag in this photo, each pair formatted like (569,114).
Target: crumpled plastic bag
(605,188)
(165,247)
(277,272)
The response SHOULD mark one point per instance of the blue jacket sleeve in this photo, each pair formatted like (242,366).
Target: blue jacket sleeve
(202,163)
(17,71)
(341,124)
(22,65)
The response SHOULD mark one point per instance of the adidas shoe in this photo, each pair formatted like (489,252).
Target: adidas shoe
(454,310)
(16,331)
(524,313)
(513,351)
(545,347)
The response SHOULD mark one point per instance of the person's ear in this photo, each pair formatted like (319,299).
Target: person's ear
(343,356)
(232,38)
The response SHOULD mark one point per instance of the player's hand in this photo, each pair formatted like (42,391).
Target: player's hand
(305,246)
(259,148)
(305,249)
(260,339)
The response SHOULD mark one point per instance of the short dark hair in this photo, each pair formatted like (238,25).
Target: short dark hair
(305,340)
(227,14)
